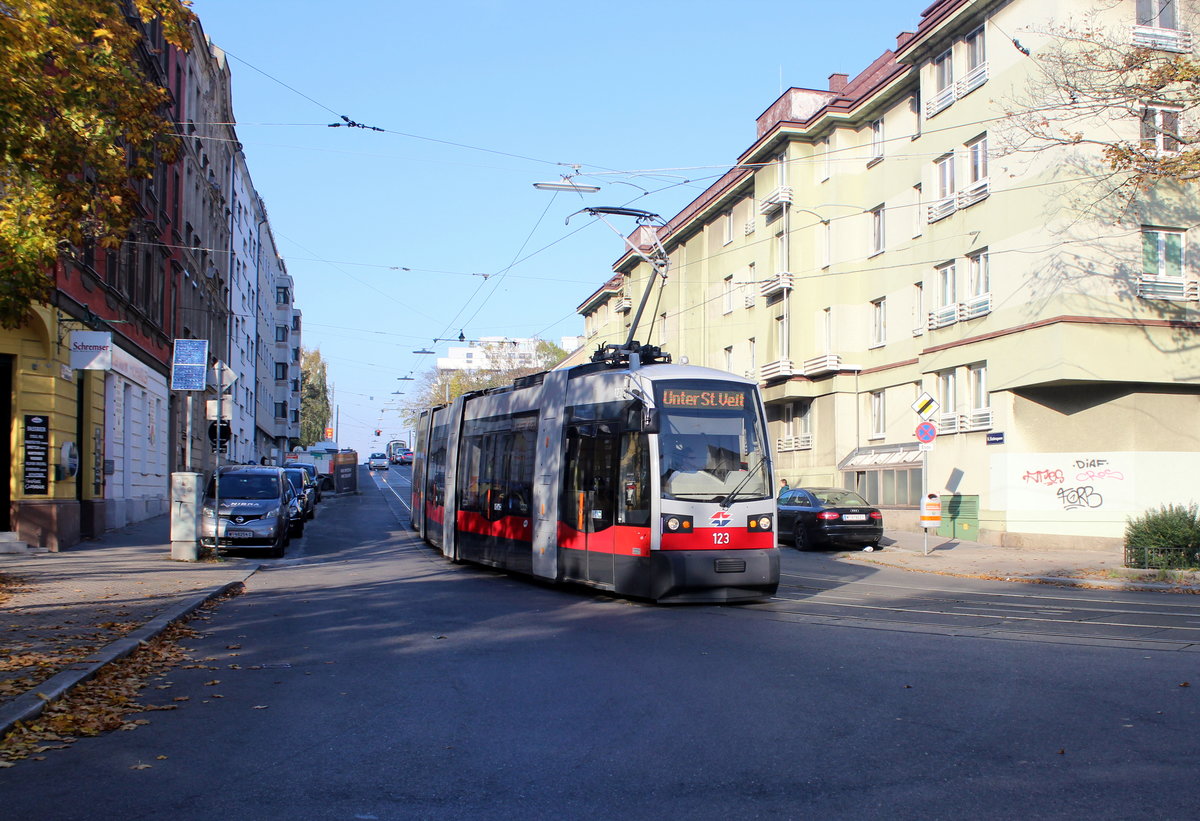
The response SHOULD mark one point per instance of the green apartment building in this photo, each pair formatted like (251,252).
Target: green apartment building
(898,234)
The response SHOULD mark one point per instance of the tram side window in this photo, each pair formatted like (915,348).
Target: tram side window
(519,476)
(635,480)
(470,466)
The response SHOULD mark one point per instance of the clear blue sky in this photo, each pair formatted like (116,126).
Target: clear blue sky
(479,99)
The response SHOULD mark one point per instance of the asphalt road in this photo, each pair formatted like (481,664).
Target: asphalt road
(370,679)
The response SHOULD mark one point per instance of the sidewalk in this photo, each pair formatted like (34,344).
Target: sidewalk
(1077,567)
(64,615)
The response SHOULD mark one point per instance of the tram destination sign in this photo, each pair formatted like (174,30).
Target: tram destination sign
(701,398)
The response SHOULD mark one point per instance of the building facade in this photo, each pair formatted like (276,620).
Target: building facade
(882,242)
(94,429)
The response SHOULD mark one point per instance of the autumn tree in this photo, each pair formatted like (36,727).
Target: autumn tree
(1122,80)
(315,406)
(501,363)
(78,121)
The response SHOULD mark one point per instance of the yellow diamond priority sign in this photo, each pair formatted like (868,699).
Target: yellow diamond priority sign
(926,406)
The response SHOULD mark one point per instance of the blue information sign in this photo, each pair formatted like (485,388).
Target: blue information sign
(189,365)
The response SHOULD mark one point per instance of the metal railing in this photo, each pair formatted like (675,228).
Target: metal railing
(1162,558)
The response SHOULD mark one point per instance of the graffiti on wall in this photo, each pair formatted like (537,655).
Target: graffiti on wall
(1072,481)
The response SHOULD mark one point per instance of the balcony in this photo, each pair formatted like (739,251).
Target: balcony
(940,101)
(776,200)
(978,419)
(1174,40)
(1177,289)
(943,316)
(749,229)
(780,283)
(973,193)
(829,363)
(977,306)
(786,444)
(973,80)
(777,369)
(948,423)
(623,305)
(940,209)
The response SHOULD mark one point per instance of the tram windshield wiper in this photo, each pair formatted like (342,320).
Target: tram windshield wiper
(728,500)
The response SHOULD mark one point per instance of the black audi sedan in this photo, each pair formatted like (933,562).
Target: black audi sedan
(828,517)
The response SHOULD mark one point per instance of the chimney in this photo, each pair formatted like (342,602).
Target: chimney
(837,82)
(902,39)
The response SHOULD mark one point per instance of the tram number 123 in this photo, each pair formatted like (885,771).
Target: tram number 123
(721,537)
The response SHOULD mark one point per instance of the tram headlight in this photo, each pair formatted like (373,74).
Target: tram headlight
(673,523)
(760,524)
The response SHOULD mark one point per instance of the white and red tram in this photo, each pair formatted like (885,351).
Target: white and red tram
(630,474)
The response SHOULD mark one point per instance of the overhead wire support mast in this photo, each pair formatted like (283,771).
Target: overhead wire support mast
(660,262)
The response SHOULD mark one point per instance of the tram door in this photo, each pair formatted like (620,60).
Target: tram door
(590,498)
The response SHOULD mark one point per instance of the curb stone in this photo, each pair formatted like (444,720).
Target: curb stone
(32,703)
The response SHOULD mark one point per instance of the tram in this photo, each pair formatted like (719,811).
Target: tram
(629,473)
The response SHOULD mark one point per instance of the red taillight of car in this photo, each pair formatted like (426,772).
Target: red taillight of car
(875,514)
(829,515)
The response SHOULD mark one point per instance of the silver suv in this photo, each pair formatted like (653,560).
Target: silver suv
(257,505)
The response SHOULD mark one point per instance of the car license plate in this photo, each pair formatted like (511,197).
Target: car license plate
(239,534)
(855,517)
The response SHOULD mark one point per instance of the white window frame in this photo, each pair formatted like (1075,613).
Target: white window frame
(727,295)
(977,382)
(878,230)
(977,159)
(727,228)
(944,176)
(1163,263)
(1158,123)
(878,322)
(918,315)
(877,139)
(979,275)
(1159,14)
(976,49)
(919,211)
(948,391)
(826,244)
(947,284)
(878,414)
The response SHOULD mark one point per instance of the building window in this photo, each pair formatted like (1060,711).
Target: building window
(977,172)
(878,422)
(727,228)
(918,315)
(295,416)
(877,140)
(976,51)
(781,170)
(1162,252)
(727,294)
(781,345)
(1161,14)
(781,252)
(977,376)
(281,371)
(729,359)
(281,410)
(918,211)
(823,165)
(943,71)
(878,322)
(826,244)
(282,295)
(979,278)
(753,355)
(948,392)
(947,284)
(878,237)
(1160,129)
(944,188)
(281,333)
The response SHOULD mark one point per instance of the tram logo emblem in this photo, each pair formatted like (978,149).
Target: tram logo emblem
(720,519)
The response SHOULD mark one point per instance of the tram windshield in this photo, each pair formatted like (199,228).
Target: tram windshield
(711,442)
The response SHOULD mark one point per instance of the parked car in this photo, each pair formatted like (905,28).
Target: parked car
(305,488)
(256,509)
(377,461)
(311,469)
(827,517)
(406,457)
